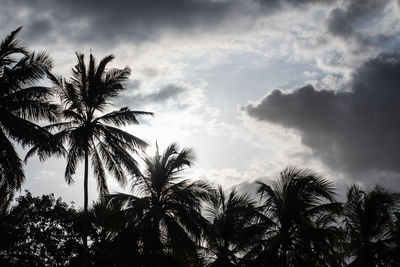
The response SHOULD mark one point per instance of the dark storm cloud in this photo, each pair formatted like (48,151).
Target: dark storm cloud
(36,26)
(280,3)
(114,20)
(346,22)
(161,96)
(341,21)
(111,21)
(357,131)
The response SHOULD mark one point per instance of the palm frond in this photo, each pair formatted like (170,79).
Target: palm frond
(98,171)
(32,104)
(24,131)
(9,46)
(102,67)
(112,162)
(122,138)
(29,69)
(11,171)
(122,117)
(74,154)
(61,126)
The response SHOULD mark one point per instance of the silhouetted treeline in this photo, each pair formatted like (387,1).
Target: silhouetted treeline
(167,219)
(170,221)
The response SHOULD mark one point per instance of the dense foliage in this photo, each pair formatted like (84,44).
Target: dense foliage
(21,103)
(39,231)
(167,219)
(184,223)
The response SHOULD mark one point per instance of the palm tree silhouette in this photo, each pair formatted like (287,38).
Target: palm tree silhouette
(368,219)
(106,226)
(393,253)
(166,209)
(302,210)
(21,102)
(91,134)
(233,229)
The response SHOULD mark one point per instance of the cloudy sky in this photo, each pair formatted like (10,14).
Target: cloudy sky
(251,85)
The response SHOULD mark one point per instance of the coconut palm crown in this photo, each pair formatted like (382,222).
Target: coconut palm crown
(234,226)
(301,207)
(21,103)
(90,130)
(165,208)
(368,220)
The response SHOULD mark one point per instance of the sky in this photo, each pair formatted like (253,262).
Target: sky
(252,86)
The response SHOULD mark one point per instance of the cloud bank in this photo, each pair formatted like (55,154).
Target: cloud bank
(105,21)
(355,131)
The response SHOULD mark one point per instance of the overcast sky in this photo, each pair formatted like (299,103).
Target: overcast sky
(251,85)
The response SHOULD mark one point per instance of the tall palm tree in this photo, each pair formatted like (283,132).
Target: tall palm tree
(91,134)
(166,209)
(302,210)
(21,102)
(233,226)
(368,220)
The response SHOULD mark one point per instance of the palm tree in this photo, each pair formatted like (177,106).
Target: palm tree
(166,209)
(233,226)
(394,250)
(106,225)
(302,211)
(91,134)
(114,235)
(21,102)
(368,220)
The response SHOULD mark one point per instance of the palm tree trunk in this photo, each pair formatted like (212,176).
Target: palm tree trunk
(85,210)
